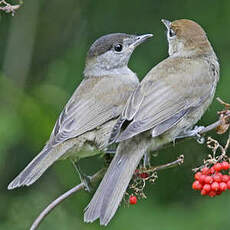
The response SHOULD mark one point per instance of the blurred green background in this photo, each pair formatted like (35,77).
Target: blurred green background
(43,48)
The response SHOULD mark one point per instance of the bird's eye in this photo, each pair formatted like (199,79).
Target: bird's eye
(118,47)
(171,33)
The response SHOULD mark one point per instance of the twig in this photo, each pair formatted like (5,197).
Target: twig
(8,8)
(97,176)
(210,127)
(227,106)
(219,153)
(179,161)
(142,175)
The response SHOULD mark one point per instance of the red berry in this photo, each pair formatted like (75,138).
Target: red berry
(203,192)
(212,170)
(144,175)
(225,178)
(205,170)
(228,184)
(219,192)
(132,199)
(202,178)
(217,167)
(223,186)
(208,180)
(217,178)
(220,174)
(215,186)
(212,193)
(225,165)
(196,185)
(197,175)
(207,188)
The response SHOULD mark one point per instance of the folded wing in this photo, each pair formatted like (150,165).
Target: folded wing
(158,105)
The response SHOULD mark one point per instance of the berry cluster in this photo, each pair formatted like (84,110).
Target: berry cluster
(140,175)
(211,181)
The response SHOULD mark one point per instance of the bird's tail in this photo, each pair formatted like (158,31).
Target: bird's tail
(36,168)
(116,180)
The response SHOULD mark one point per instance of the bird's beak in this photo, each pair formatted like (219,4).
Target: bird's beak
(140,39)
(166,23)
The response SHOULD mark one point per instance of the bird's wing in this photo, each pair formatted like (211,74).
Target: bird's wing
(158,103)
(94,102)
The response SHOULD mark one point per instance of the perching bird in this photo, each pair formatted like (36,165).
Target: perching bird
(168,102)
(85,124)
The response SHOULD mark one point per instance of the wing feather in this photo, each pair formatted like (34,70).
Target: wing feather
(161,103)
(93,103)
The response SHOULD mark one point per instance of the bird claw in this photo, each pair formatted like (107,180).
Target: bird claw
(193,133)
(87,184)
(83,177)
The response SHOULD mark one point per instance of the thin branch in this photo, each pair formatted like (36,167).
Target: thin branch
(177,162)
(210,127)
(97,176)
(223,121)
(226,105)
(8,8)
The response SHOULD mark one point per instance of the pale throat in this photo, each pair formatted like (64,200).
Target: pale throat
(96,70)
(177,49)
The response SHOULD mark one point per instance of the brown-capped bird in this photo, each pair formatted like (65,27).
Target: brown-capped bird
(86,122)
(168,102)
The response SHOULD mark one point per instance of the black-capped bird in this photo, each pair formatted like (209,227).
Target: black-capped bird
(85,124)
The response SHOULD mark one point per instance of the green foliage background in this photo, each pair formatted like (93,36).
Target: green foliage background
(43,48)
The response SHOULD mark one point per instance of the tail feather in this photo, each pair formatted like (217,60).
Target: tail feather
(36,168)
(115,182)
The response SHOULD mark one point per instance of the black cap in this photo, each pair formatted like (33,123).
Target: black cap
(106,42)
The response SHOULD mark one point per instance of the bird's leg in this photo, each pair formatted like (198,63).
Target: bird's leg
(146,160)
(83,177)
(193,133)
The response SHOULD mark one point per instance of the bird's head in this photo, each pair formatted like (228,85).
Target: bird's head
(186,38)
(113,50)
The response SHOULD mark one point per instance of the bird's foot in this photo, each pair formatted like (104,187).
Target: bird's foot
(83,177)
(193,133)
(87,183)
